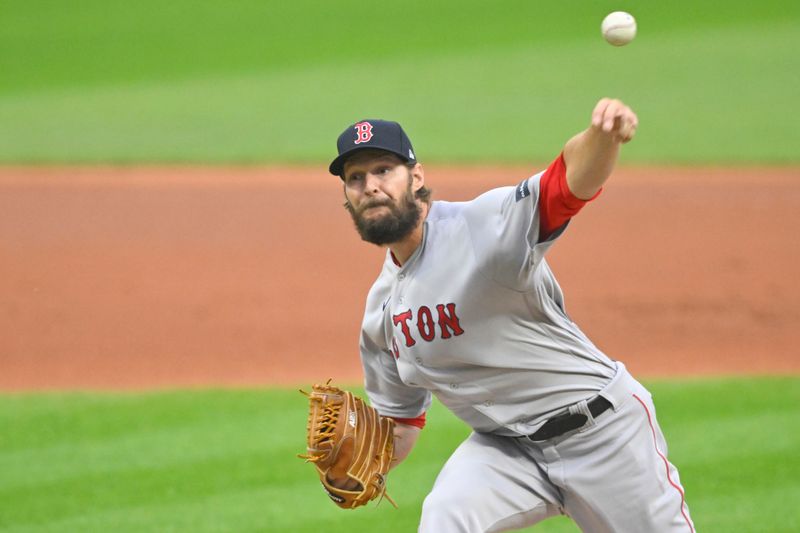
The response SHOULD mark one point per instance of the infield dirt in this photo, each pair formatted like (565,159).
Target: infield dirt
(117,278)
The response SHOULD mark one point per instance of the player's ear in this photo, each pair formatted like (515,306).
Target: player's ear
(417,177)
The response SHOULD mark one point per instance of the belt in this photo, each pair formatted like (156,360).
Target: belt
(560,424)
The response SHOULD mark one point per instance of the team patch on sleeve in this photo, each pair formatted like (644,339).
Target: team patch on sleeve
(522,190)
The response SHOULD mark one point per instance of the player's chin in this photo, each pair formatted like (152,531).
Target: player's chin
(381,230)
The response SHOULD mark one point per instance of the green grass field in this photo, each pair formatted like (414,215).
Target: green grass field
(225,461)
(269,81)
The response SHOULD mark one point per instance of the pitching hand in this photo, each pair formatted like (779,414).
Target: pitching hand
(613,117)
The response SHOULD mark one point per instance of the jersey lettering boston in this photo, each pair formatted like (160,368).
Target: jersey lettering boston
(447,322)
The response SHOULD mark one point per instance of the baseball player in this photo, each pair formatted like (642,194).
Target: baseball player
(466,308)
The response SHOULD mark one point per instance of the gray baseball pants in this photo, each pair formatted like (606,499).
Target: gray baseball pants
(611,475)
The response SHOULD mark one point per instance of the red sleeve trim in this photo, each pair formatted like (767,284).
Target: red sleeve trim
(418,421)
(557,204)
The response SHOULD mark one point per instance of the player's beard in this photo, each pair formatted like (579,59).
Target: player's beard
(390,227)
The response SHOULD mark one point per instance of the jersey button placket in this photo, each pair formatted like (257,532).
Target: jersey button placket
(400,278)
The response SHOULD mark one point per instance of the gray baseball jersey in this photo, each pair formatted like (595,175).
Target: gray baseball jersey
(476,317)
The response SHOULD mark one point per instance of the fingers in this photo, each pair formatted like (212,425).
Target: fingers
(627,129)
(614,118)
(599,111)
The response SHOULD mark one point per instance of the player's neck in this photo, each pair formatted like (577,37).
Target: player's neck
(404,249)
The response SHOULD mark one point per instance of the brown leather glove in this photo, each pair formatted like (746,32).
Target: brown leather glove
(348,439)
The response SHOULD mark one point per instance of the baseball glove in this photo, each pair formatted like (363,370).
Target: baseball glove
(348,439)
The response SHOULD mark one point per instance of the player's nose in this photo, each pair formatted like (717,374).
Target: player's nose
(371,183)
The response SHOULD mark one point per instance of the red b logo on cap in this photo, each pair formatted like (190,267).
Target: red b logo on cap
(363,132)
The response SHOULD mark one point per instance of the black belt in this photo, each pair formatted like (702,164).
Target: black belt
(560,424)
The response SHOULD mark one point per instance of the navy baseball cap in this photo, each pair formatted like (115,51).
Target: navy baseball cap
(372,134)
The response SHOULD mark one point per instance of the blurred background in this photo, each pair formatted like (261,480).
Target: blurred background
(175,260)
(265,81)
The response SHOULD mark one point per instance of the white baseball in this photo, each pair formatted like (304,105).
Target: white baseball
(619,28)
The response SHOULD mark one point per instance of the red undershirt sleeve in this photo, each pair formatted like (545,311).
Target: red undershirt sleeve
(418,421)
(557,204)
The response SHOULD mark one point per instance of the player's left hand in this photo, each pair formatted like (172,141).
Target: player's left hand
(612,117)
(350,444)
